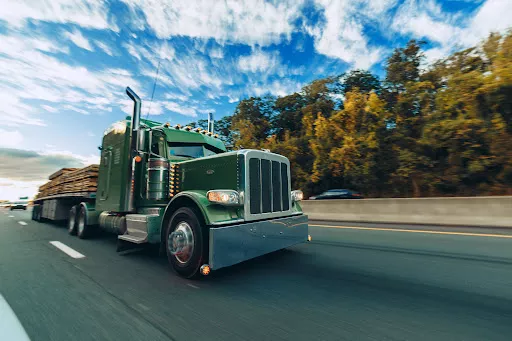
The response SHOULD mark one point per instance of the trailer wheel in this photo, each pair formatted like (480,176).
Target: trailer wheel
(83,230)
(185,243)
(72,221)
(36,213)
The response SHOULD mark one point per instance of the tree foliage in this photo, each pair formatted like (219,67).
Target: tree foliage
(438,131)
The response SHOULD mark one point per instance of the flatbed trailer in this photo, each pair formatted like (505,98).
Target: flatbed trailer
(180,188)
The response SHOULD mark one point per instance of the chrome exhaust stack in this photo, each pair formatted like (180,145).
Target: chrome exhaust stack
(210,123)
(134,136)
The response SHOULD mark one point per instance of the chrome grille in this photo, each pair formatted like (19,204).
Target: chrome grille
(268,185)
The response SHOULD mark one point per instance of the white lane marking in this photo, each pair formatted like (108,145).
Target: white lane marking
(192,285)
(66,249)
(22,223)
(11,216)
(9,323)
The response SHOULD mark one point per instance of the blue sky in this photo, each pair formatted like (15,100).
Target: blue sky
(64,64)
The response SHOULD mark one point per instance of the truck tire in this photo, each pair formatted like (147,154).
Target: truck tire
(185,234)
(72,221)
(36,213)
(82,229)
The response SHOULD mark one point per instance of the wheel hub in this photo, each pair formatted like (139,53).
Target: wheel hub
(181,242)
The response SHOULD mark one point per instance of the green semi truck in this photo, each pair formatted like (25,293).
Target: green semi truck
(207,208)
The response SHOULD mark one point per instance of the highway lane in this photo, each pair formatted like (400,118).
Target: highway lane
(348,284)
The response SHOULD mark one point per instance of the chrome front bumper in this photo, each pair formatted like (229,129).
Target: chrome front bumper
(237,243)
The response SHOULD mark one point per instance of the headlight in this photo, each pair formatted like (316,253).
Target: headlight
(224,197)
(297,195)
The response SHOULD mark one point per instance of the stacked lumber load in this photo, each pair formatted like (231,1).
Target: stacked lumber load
(71,180)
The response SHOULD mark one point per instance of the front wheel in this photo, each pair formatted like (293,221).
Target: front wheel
(186,243)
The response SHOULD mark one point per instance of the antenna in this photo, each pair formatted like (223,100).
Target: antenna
(154,87)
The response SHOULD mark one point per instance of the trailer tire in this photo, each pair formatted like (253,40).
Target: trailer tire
(83,230)
(72,221)
(186,264)
(36,213)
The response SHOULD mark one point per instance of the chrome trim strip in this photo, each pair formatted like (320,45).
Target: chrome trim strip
(227,222)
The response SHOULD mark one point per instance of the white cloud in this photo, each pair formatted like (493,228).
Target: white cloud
(85,13)
(493,15)
(28,74)
(91,134)
(78,39)
(426,19)
(181,109)
(49,108)
(258,61)
(14,189)
(277,87)
(233,99)
(216,53)
(23,171)
(341,35)
(153,108)
(132,50)
(249,21)
(71,107)
(104,47)
(10,138)
(206,111)
(176,96)
(84,160)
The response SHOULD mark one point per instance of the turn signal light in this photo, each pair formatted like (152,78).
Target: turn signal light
(137,159)
(205,270)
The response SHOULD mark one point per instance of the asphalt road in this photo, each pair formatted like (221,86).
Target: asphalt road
(365,282)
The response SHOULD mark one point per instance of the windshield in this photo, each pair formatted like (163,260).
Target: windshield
(193,151)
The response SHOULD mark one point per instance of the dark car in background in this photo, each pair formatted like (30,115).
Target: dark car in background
(19,205)
(337,194)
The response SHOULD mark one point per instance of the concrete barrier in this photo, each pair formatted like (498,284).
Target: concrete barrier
(467,211)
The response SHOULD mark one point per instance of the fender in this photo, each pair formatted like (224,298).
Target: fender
(211,214)
(91,215)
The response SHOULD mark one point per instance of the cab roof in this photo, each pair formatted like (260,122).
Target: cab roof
(180,135)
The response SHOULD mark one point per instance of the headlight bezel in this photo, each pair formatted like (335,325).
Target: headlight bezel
(218,196)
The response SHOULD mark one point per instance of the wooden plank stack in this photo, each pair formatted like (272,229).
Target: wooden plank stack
(71,180)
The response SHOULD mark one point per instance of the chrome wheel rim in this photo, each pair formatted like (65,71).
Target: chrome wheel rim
(81,223)
(181,242)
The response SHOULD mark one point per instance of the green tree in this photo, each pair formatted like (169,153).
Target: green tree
(363,80)
(251,121)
